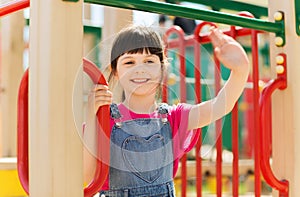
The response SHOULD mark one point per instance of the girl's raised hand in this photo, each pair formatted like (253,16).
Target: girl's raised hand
(99,96)
(228,51)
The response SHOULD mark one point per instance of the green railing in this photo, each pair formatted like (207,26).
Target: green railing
(194,13)
(297,15)
(256,10)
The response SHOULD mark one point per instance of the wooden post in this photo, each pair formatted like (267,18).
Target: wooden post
(12,46)
(55,148)
(120,17)
(285,104)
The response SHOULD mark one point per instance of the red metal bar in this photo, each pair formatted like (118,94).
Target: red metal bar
(235,152)
(22,132)
(235,139)
(13,6)
(165,90)
(189,40)
(103,128)
(181,40)
(256,114)
(177,30)
(197,68)
(218,131)
(197,62)
(265,132)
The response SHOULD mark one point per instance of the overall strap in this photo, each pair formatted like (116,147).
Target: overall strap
(115,114)
(163,110)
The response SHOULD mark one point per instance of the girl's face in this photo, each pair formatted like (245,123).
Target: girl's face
(139,74)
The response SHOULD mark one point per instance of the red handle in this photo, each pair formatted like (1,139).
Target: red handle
(265,132)
(22,138)
(104,134)
(103,128)
(22,117)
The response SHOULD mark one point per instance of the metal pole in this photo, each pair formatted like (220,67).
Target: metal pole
(194,13)
(256,10)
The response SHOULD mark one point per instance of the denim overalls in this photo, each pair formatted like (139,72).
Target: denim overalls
(141,157)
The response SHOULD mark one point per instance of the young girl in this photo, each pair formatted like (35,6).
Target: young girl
(147,138)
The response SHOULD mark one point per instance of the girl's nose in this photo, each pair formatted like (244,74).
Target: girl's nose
(140,69)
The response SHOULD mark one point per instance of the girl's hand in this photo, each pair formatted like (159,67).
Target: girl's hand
(99,96)
(228,51)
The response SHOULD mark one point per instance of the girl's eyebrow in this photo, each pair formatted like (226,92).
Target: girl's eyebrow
(130,56)
(150,55)
(126,57)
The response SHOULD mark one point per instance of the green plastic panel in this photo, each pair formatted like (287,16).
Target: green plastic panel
(257,11)
(194,13)
(297,15)
(71,0)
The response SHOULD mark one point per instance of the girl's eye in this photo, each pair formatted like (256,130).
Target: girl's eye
(149,61)
(129,63)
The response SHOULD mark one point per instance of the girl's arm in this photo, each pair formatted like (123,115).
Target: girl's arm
(98,97)
(232,55)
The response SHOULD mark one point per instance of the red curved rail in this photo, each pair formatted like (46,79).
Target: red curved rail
(13,6)
(265,134)
(104,134)
(181,40)
(22,138)
(103,128)
(197,70)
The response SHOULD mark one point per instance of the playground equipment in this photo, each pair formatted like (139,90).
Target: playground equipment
(103,129)
(183,42)
(278,28)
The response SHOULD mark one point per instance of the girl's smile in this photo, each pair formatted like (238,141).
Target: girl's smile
(139,80)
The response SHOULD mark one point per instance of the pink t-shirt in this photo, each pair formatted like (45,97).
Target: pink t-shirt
(183,140)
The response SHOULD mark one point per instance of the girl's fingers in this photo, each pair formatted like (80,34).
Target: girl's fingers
(219,39)
(99,96)
(101,90)
(103,98)
(100,87)
(216,37)
(101,101)
(103,93)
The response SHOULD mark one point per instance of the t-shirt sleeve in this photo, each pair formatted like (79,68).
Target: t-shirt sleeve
(183,139)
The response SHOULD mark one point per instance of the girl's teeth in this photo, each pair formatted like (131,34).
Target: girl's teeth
(139,80)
